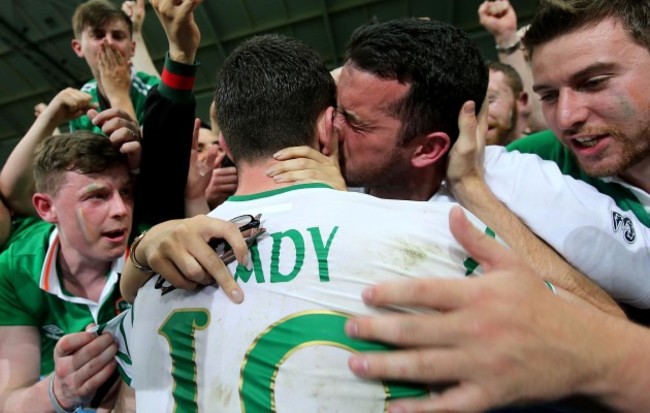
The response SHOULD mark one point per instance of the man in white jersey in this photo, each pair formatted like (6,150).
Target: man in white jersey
(284,347)
(396,135)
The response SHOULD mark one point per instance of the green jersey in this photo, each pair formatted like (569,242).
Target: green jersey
(141,83)
(32,294)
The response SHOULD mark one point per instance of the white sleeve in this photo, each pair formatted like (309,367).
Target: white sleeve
(120,328)
(606,243)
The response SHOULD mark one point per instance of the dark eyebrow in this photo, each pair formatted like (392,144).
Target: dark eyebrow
(587,72)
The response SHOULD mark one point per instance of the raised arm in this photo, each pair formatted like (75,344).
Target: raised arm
(141,60)
(16,177)
(499,18)
(169,119)
(465,177)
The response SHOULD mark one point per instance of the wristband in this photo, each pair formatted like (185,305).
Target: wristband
(55,403)
(139,266)
(509,49)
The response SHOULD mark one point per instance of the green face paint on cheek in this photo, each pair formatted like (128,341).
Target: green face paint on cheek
(82,222)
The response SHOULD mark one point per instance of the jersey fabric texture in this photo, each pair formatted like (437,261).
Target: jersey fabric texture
(19,225)
(546,145)
(589,229)
(285,345)
(141,83)
(31,293)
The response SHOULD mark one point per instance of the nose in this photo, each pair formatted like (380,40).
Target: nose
(570,111)
(120,206)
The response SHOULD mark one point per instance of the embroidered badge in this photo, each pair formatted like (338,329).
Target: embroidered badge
(624,224)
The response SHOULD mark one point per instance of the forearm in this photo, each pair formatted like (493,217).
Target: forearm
(168,125)
(34,398)
(142,61)
(17,177)
(123,102)
(476,196)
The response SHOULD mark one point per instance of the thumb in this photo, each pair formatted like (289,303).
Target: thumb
(220,155)
(195,134)
(484,249)
(482,126)
(188,7)
(213,154)
(91,114)
(467,125)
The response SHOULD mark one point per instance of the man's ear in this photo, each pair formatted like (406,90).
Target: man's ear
(132,49)
(430,149)
(45,207)
(523,106)
(76,47)
(327,138)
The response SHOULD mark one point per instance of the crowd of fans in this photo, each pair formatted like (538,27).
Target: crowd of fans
(107,284)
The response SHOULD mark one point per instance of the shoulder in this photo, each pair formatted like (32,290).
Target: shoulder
(144,81)
(26,252)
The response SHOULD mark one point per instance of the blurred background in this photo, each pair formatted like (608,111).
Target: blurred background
(36,60)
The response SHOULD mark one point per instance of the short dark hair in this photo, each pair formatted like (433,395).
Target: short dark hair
(94,13)
(555,18)
(81,151)
(270,92)
(443,66)
(512,77)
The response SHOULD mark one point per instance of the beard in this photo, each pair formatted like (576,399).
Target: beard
(501,133)
(632,151)
(387,173)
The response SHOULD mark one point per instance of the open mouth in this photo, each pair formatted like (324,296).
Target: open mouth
(589,142)
(116,235)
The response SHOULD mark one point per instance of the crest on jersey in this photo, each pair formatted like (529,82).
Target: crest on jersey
(624,224)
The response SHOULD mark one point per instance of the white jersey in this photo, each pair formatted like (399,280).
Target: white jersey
(606,243)
(284,348)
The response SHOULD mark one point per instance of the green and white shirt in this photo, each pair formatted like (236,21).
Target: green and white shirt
(285,345)
(31,293)
(598,225)
(141,83)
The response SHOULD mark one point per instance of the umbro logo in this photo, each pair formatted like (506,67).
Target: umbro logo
(624,224)
(52,331)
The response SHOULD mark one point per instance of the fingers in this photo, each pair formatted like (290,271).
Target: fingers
(83,362)
(223,180)
(298,168)
(435,293)
(299,152)
(195,134)
(111,113)
(485,250)
(460,398)
(72,343)
(213,157)
(183,256)
(303,164)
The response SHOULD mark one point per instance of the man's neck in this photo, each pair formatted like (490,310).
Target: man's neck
(252,178)
(421,185)
(82,277)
